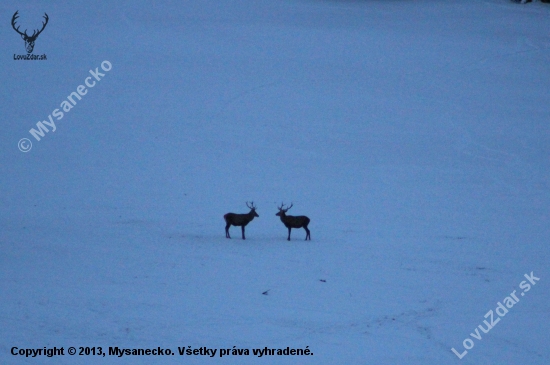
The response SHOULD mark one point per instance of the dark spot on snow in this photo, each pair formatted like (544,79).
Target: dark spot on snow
(131,222)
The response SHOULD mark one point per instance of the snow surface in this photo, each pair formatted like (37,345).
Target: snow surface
(414,134)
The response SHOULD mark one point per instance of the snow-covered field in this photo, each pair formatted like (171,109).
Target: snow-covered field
(414,134)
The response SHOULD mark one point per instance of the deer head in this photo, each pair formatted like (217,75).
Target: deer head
(282,211)
(252,209)
(29,40)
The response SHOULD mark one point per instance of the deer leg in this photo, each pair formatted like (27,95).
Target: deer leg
(227,230)
(307,234)
(289,233)
(243,231)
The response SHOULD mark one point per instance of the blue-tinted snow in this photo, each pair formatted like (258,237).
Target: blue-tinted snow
(414,134)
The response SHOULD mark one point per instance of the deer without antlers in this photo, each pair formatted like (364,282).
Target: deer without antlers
(291,221)
(232,219)
(29,40)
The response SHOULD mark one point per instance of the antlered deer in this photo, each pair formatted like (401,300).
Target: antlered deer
(232,219)
(29,39)
(291,221)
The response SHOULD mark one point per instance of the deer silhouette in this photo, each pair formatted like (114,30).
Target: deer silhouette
(232,219)
(291,221)
(29,40)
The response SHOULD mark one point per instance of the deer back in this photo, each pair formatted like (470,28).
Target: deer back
(292,221)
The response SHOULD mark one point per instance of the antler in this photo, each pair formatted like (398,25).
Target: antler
(13,19)
(34,34)
(282,205)
(252,205)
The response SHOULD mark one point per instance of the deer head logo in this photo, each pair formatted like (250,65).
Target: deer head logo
(29,40)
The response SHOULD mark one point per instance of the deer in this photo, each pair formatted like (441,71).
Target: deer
(290,221)
(29,40)
(232,219)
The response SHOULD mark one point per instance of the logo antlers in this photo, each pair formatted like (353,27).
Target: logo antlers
(29,40)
